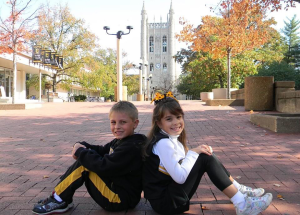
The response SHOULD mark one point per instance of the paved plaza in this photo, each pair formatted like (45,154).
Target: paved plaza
(36,145)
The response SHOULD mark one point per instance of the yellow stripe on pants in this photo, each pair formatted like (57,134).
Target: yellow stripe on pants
(97,181)
(69,180)
(103,189)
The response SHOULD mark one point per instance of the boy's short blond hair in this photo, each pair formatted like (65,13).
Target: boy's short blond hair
(125,107)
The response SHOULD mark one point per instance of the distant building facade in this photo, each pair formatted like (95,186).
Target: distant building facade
(157,51)
(24,93)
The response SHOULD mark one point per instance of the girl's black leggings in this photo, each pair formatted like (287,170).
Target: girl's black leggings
(177,196)
(215,170)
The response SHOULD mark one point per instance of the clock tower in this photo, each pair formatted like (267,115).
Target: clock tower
(158,49)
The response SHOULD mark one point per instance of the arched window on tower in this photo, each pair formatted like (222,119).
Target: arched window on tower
(151,67)
(164,67)
(151,44)
(164,43)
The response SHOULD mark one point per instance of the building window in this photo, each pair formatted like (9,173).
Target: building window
(151,67)
(151,44)
(75,92)
(164,43)
(164,67)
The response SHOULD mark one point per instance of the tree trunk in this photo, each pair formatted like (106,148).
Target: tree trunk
(54,84)
(228,74)
(221,81)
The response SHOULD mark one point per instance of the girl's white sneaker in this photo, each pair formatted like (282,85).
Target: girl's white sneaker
(255,205)
(257,192)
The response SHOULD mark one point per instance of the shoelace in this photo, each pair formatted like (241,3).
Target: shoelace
(45,200)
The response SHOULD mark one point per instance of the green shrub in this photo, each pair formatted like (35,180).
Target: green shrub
(80,98)
(281,72)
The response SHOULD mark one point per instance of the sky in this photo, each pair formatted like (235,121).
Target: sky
(117,14)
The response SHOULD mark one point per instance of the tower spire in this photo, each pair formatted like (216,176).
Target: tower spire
(171,11)
(143,9)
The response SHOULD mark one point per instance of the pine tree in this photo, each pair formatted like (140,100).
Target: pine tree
(292,36)
(290,31)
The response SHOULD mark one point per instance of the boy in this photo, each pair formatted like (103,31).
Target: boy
(112,173)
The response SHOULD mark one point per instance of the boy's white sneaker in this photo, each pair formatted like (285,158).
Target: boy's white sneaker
(255,205)
(257,192)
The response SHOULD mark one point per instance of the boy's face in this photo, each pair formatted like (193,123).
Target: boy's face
(121,125)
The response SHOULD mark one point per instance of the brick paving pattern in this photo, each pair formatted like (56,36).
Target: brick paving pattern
(36,144)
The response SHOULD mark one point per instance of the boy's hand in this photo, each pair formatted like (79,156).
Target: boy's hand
(75,147)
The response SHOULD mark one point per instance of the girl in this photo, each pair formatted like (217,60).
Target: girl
(172,172)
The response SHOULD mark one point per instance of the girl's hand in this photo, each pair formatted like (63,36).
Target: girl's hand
(203,149)
(75,147)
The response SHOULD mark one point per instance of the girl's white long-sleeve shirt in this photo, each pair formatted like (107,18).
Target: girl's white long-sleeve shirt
(173,160)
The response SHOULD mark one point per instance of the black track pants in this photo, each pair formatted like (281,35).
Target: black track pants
(177,196)
(99,188)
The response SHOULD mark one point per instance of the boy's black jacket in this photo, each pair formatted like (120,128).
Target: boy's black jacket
(120,161)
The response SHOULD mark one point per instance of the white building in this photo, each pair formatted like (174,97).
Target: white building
(25,67)
(157,51)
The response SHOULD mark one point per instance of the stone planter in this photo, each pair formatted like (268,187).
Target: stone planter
(281,123)
(221,93)
(204,96)
(140,97)
(259,93)
(281,87)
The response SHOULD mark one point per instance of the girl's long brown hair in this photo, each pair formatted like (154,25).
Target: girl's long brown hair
(167,104)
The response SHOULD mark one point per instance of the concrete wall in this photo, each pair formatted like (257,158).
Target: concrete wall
(238,94)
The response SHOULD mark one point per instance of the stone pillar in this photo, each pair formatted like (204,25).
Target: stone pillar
(282,86)
(259,93)
(124,93)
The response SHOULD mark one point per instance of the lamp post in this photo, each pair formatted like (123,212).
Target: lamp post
(48,59)
(152,92)
(148,94)
(119,35)
(141,77)
(148,85)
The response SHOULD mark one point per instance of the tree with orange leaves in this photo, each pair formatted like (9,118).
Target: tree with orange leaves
(242,27)
(15,32)
(277,4)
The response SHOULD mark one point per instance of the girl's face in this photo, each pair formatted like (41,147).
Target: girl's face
(171,124)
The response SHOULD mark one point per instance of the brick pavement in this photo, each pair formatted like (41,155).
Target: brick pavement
(36,146)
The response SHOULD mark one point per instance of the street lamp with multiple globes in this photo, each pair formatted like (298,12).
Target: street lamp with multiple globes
(153,91)
(49,59)
(119,35)
(148,93)
(140,95)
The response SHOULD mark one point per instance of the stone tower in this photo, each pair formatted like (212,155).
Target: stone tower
(157,50)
